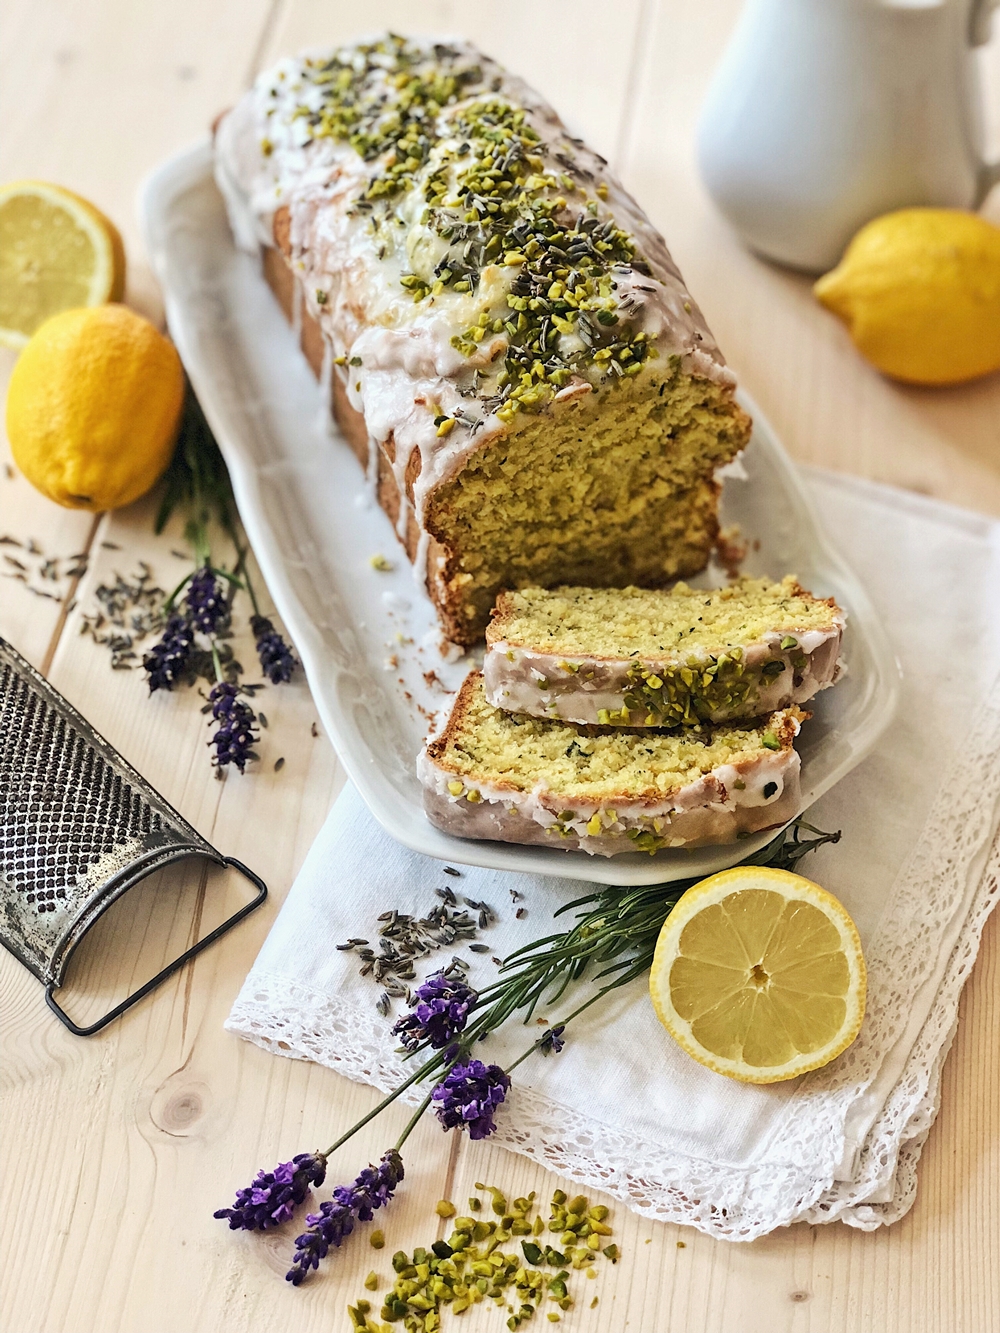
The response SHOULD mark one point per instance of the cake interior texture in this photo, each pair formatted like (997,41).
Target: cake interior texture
(635,621)
(592,764)
(614,488)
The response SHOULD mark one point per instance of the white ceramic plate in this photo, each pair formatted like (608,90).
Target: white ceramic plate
(367,638)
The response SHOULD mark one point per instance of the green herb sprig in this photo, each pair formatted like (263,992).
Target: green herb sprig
(613,940)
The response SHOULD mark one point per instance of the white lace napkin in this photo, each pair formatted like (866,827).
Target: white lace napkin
(622,1108)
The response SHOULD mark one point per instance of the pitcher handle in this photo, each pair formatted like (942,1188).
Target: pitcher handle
(980,25)
(980,21)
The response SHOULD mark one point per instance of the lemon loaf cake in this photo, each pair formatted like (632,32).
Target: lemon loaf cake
(512,778)
(507,344)
(638,657)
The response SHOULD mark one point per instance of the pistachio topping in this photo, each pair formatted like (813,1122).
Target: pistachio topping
(513,218)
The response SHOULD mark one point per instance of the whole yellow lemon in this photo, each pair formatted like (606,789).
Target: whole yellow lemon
(919,291)
(93,407)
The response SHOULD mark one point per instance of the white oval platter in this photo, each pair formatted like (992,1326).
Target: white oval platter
(368,640)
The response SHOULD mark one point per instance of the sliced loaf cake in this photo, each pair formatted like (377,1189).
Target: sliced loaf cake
(511,778)
(638,657)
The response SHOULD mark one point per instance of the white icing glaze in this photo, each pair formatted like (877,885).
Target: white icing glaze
(409,372)
(513,676)
(711,808)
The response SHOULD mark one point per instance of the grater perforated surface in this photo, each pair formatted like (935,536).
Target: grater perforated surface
(78,825)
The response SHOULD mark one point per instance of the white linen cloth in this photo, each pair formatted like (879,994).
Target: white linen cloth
(622,1108)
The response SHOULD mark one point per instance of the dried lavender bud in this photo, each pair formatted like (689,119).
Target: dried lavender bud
(277,661)
(235,736)
(335,1220)
(274,1195)
(166,661)
(206,601)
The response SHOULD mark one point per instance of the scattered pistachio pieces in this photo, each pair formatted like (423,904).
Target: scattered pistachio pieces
(380,563)
(372,1281)
(471,1267)
(377,1239)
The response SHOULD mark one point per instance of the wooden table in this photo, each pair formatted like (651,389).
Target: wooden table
(117,1149)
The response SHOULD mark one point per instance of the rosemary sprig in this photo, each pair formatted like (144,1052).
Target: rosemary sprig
(615,933)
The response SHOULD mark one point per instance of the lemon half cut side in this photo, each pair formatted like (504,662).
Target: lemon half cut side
(57,252)
(758,974)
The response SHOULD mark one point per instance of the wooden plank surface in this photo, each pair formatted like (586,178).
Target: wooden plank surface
(116,1150)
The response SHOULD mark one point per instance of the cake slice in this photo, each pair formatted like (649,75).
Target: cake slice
(643,658)
(511,778)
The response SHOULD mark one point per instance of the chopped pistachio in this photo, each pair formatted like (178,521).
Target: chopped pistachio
(445,1208)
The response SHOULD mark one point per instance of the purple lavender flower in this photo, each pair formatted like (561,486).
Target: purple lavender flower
(166,660)
(335,1220)
(274,1195)
(235,737)
(469,1095)
(552,1040)
(440,1014)
(277,660)
(206,601)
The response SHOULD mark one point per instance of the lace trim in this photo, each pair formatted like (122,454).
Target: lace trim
(938,902)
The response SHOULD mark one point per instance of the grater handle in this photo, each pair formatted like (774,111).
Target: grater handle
(171,968)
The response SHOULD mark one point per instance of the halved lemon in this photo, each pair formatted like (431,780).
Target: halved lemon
(57,251)
(759,974)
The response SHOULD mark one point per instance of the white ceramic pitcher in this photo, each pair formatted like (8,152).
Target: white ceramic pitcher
(825,113)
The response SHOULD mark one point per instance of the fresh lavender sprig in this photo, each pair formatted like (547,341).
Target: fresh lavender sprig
(274,1195)
(468,1097)
(165,662)
(277,661)
(206,601)
(234,739)
(335,1220)
(442,1007)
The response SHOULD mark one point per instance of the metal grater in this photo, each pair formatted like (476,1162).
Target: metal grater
(78,828)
